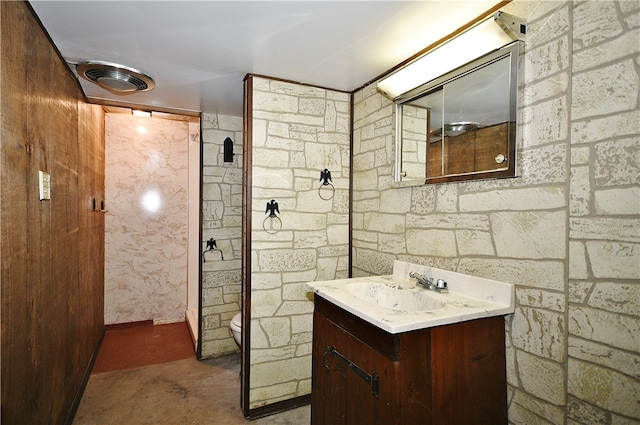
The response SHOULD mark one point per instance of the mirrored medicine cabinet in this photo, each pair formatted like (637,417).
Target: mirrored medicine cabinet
(460,126)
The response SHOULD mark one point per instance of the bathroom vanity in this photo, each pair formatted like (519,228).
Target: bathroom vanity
(381,357)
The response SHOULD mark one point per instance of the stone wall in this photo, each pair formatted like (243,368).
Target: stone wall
(415,122)
(297,132)
(565,231)
(603,294)
(222,221)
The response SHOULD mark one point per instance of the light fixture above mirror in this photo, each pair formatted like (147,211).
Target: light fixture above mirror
(455,112)
(485,36)
(461,126)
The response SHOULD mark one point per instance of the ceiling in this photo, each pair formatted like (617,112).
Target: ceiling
(199,52)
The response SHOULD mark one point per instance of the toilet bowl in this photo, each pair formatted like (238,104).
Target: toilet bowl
(236,328)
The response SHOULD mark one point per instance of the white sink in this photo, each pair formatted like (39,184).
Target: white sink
(395,297)
(394,303)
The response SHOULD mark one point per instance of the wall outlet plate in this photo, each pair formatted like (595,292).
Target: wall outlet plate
(44,185)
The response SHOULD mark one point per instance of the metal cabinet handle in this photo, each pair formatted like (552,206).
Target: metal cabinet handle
(373,379)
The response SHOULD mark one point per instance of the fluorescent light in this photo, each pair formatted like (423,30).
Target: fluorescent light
(477,41)
(139,113)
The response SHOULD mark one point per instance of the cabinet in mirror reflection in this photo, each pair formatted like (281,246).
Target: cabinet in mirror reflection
(462,125)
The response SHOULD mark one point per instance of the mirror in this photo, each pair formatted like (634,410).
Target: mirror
(462,125)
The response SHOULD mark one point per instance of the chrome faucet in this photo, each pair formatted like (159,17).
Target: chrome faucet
(427,282)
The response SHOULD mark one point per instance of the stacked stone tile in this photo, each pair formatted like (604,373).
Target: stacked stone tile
(297,132)
(222,221)
(566,231)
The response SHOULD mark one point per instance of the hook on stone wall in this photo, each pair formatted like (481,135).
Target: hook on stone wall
(274,223)
(228,150)
(211,246)
(329,190)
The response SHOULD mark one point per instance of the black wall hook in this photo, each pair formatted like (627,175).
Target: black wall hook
(228,150)
(272,223)
(272,208)
(325,177)
(211,246)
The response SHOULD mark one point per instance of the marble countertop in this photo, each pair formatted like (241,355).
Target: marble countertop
(469,298)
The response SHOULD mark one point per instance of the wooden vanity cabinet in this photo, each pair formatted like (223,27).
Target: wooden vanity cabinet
(446,375)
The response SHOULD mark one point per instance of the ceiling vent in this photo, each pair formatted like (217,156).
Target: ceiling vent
(116,78)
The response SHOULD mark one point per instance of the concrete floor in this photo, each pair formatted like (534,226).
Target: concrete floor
(182,392)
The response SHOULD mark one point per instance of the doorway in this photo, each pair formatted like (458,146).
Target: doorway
(151,211)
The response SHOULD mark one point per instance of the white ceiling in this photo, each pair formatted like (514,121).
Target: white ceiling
(199,52)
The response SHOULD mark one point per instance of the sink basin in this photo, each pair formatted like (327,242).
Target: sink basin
(394,304)
(395,297)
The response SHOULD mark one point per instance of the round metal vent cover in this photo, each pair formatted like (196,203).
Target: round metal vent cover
(116,78)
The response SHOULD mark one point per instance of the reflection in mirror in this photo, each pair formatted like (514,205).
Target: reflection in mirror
(461,126)
(417,134)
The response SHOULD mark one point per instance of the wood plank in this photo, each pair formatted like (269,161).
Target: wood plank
(52,258)
(373,336)
(434,159)
(490,142)
(460,153)
(469,374)
(414,378)
(14,185)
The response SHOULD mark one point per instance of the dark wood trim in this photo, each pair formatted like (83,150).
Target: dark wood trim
(116,326)
(246,243)
(285,80)
(278,407)
(132,105)
(350,242)
(200,253)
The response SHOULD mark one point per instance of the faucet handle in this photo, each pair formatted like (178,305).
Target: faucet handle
(420,277)
(441,284)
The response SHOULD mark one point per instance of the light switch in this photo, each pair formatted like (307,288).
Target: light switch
(44,185)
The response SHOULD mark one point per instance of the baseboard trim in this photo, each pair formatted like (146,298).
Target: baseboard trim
(192,323)
(85,380)
(115,326)
(281,406)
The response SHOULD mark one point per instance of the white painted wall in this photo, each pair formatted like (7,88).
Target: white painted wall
(193,250)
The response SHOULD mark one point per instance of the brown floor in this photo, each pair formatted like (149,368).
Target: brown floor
(179,392)
(139,344)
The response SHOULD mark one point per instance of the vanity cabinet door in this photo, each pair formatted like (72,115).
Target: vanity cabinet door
(469,383)
(352,382)
(445,375)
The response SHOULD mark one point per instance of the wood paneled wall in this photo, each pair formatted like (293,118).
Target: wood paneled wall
(51,252)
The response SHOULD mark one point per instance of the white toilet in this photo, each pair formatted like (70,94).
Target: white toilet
(236,328)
